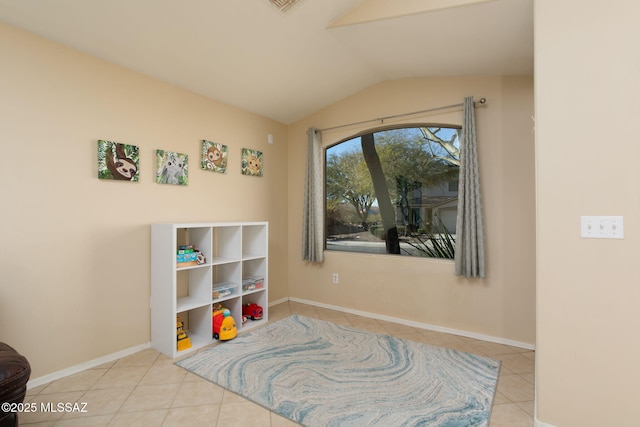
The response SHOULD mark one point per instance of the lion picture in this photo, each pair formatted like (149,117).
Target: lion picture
(252,162)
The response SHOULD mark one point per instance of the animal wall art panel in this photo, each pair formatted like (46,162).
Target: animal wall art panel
(214,156)
(172,168)
(118,161)
(252,162)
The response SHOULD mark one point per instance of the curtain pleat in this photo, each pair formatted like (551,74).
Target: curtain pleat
(312,221)
(469,256)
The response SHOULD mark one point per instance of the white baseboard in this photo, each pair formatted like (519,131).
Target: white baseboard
(420,325)
(537,423)
(280,301)
(85,365)
(35,382)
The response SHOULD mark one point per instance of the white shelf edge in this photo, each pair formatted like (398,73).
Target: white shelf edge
(190,303)
(192,267)
(222,260)
(227,298)
(253,291)
(249,257)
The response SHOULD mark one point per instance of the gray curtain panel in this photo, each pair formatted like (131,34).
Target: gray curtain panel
(312,221)
(469,257)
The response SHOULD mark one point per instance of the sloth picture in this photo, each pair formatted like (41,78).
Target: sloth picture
(118,161)
(214,156)
(172,168)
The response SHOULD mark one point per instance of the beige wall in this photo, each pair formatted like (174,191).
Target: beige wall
(425,290)
(75,250)
(587,81)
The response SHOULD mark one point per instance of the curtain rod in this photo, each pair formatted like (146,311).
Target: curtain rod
(382,119)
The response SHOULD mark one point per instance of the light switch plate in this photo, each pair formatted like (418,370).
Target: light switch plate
(602,227)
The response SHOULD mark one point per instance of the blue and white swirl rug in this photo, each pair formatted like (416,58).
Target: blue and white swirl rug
(321,374)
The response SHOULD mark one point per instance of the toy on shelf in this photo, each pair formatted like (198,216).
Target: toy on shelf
(183,340)
(252,311)
(187,256)
(224,325)
(200,258)
(223,290)
(252,283)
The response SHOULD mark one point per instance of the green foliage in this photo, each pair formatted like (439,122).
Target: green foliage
(348,180)
(405,154)
(377,231)
(435,244)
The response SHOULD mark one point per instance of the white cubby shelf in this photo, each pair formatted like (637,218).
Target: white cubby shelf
(235,253)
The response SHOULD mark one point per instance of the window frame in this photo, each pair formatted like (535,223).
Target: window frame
(373,131)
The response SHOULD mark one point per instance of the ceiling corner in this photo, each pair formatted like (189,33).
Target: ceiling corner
(376,10)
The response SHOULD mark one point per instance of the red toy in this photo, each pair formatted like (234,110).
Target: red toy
(252,310)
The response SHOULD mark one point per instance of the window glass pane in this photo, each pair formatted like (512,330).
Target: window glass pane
(394,191)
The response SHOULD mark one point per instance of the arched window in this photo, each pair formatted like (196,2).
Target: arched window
(394,191)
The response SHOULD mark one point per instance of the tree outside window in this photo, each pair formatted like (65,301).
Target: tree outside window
(394,191)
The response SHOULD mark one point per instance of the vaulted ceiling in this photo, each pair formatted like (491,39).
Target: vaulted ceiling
(285,66)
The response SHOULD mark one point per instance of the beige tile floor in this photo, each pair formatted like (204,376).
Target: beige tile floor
(146,389)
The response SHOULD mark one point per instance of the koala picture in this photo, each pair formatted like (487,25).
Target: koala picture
(252,162)
(172,168)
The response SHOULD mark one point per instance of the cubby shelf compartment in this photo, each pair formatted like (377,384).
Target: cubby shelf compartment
(232,251)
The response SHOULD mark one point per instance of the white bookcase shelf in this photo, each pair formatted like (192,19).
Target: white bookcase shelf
(234,253)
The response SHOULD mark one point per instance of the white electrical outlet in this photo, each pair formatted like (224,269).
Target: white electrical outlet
(335,278)
(602,227)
